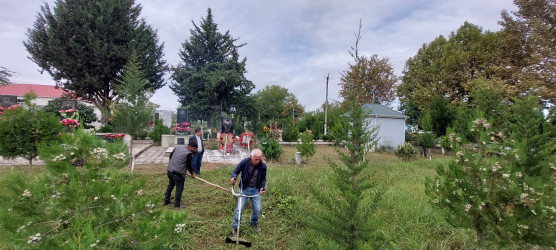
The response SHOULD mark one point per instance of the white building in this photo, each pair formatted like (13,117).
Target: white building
(165,116)
(390,123)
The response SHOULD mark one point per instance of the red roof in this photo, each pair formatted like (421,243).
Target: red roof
(40,90)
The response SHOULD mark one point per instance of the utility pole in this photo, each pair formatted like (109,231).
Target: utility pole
(326,106)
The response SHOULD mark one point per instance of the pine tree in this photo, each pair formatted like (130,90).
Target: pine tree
(307,146)
(343,210)
(85,44)
(211,77)
(134,113)
(487,188)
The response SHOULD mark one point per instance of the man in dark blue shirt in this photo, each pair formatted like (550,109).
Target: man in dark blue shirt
(253,181)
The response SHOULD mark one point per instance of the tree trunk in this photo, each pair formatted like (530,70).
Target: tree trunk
(31,162)
(480,239)
(131,154)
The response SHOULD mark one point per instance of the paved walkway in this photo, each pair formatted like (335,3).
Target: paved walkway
(149,154)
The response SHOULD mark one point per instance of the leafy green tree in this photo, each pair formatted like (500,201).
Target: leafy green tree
(134,113)
(271,102)
(5,74)
(86,112)
(307,147)
(291,107)
(447,67)
(84,45)
(23,129)
(210,77)
(343,212)
(441,115)
(528,47)
(377,74)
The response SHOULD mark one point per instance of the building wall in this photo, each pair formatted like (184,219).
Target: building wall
(165,116)
(391,132)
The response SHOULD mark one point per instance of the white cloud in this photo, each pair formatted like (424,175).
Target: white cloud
(291,43)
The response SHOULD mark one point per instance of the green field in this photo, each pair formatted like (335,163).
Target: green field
(407,220)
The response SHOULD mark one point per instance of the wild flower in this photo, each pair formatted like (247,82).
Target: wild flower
(94,244)
(179,228)
(140,192)
(459,154)
(522,226)
(517,157)
(34,238)
(533,211)
(26,193)
(120,156)
(467,207)
(60,157)
(100,153)
(96,198)
(518,175)
(435,201)
(113,197)
(447,201)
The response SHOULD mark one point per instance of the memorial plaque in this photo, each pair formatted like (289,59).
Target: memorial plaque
(68,104)
(7,101)
(227,125)
(182,115)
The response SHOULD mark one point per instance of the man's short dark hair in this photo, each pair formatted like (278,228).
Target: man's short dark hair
(193,143)
(198,129)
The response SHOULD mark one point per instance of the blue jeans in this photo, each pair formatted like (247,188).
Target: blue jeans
(255,204)
(196,162)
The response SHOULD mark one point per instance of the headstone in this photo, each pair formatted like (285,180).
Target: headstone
(180,141)
(227,125)
(68,104)
(182,115)
(298,158)
(7,101)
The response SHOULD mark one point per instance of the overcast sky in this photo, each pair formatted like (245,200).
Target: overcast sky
(290,43)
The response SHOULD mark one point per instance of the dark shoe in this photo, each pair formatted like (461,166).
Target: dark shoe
(256,228)
(234,233)
(166,203)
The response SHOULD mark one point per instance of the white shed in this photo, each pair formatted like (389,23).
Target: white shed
(390,123)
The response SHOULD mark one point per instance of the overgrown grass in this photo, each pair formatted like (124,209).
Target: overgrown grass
(405,218)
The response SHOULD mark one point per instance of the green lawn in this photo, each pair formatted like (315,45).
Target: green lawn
(406,218)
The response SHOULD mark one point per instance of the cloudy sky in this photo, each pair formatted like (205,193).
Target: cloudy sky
(290,43)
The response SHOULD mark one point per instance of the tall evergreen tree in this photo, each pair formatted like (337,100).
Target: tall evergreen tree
(135,112)
(211,77)
(4,76)
(343,213)
(85,44)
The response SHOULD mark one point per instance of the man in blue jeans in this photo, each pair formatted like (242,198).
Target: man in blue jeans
(253,180)
(179,164)
(198,155)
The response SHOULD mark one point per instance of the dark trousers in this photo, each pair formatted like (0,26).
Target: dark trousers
(178,180)
(196,162)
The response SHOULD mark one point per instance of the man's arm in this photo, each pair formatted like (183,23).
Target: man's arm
(188,165)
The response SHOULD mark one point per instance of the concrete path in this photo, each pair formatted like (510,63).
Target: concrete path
(147,154)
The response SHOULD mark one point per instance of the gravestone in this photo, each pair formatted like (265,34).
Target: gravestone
(227,125)
(68,104)
(7,101)
(182,115)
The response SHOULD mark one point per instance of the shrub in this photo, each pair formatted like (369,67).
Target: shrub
(406,151)
(143,134)
(271,148)
(159,130)
(23,129)
(307,146)
(91,206)
(290,133)
(106,129)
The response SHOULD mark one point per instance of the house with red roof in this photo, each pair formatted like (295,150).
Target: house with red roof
(45,93)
